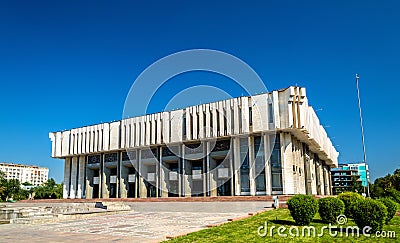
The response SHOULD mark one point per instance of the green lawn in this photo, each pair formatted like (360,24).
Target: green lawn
(246,231)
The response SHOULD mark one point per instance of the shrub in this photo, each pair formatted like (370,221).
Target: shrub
(330,208)
(393,194)
(348,198)
(391,208)
(302,208)
(369,212)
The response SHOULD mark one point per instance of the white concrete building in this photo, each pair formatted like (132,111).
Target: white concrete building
(266,144)
(35,175)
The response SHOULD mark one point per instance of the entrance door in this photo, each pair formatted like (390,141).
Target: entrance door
(95,191)
(131,189)
(173,179)
(245,181)
(197,178)
(151,189)
(224,188)
(113,190)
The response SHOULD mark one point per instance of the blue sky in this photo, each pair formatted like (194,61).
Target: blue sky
(66,64)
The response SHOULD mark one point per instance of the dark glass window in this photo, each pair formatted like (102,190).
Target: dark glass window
(270,113)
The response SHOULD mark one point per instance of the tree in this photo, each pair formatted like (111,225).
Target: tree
(49,190)
(387,186)
(2,185)
(356,185)
(27,183)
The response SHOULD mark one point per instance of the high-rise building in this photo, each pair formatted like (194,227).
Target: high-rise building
(35,175)
(266,144)
(347,175)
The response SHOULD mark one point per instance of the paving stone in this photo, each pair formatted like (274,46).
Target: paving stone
(149,222)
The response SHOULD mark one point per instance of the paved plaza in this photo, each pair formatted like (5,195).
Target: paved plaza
(148,222)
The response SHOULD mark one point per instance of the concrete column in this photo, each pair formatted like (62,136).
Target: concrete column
(157,174)
(205,171)
(67,174)
(143,171)
(212,173)
(164,176)
(330,181)
(236,165)
(123,180)
(252,174)
(287,164)
(74,175)
(321,177)
(301,161)
(317,176)
(104,174)
(181,171)
(313,175)
(207,168)
(89,183)
(81,177)
(188,179)
(186,182)
(268,174)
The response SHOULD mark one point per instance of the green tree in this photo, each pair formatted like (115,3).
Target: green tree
(27,183)
(2,186)
(12,189)
(356,185)
(49,190)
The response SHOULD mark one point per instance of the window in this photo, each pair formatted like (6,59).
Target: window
(244,168)
(277,182)
(259,164)
(184,126)
(250,116)
(270,113)
(240,119)
(276,166)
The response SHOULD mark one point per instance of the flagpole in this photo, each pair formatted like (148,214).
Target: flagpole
(362,135)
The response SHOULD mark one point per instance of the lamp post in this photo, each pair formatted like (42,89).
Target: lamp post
(362,134)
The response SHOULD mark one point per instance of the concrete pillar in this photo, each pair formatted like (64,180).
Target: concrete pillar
(268,174)
(67,174)
(188,180)
(164,176)
(74,175)
(322,177)
(313,175)
(212,173)
(236,165)
(143,171)
(104,175)
(287,164)
(205,169)
(252,173)
(187,167)
(157,174)
(81,177)
(180,169)
(89,183)
(330,180)
(123,179)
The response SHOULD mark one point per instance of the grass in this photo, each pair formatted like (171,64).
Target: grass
(246,230)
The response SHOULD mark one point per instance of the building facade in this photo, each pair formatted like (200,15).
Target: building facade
(35,175)
(347,175)
(267,144)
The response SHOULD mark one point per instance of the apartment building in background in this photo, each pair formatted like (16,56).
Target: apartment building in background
(35,175)
(346,175)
